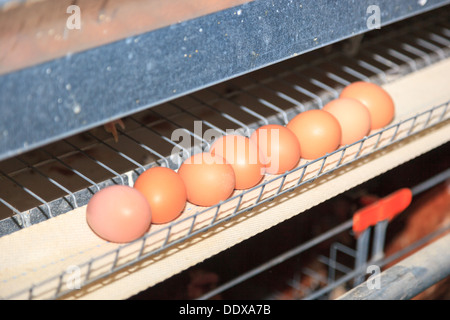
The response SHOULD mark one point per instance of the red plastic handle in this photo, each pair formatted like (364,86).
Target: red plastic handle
(383,209)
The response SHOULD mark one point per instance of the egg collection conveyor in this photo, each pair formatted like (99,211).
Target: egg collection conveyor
(385,65)
(377,62)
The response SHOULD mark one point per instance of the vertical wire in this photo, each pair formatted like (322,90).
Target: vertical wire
(118,152)
(226,116)
(97,161)
(161,157)
(73,170)
(192,134)
(51,180)
(31,193)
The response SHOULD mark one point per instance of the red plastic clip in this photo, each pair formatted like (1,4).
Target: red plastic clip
(383,209)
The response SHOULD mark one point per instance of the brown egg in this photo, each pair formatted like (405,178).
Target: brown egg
(318,132)
(279,146)
(353,116)
(244,156)
(375,98)
(208,179)
(119,214)
(165,192)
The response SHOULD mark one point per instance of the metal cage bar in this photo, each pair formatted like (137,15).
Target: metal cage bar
(409,277)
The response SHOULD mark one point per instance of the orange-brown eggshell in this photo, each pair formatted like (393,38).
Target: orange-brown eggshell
(318,132)
(279,146)
(244,156)
(353,116)
(165,191)
(208,179)
(375,98)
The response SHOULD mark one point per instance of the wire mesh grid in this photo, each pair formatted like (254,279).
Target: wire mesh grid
(202,220)
(337,277)
(272,96)
(289,98)
(341,260)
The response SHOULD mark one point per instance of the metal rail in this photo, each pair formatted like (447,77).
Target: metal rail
(359,255)
(408,278)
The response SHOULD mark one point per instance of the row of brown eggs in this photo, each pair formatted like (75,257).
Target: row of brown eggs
(235,162)
(275,149)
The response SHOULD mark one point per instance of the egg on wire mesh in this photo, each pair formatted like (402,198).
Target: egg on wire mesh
(244,156)
(165,191)
(279,147)
(208,179)
(353,117)
(317,131)
(377,100)
(119,214)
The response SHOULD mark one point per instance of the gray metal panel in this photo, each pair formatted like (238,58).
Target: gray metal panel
(53,100)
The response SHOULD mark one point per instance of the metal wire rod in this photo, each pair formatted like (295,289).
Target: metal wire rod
(431,182)
(394,66)
(396,54)
(143,146)
(57,184)
(385,261)
(279,259)
(226,116)
(24,220)
(338,79)
(97,161)
(378,240)
(409,277)
(325,87)
(362,252)
(334,248)
(333,265)
(274,107)
(417,51)
(209,124)
(246,109)
(73,170)
(309,94)
(372,68)
(31,193)
(438,38)
(430,46)
(297,104)
(184,151)
(355,73)
(137,164)
(255,114)
(192,134)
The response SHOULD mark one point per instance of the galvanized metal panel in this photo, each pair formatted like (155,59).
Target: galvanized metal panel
(53,100)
